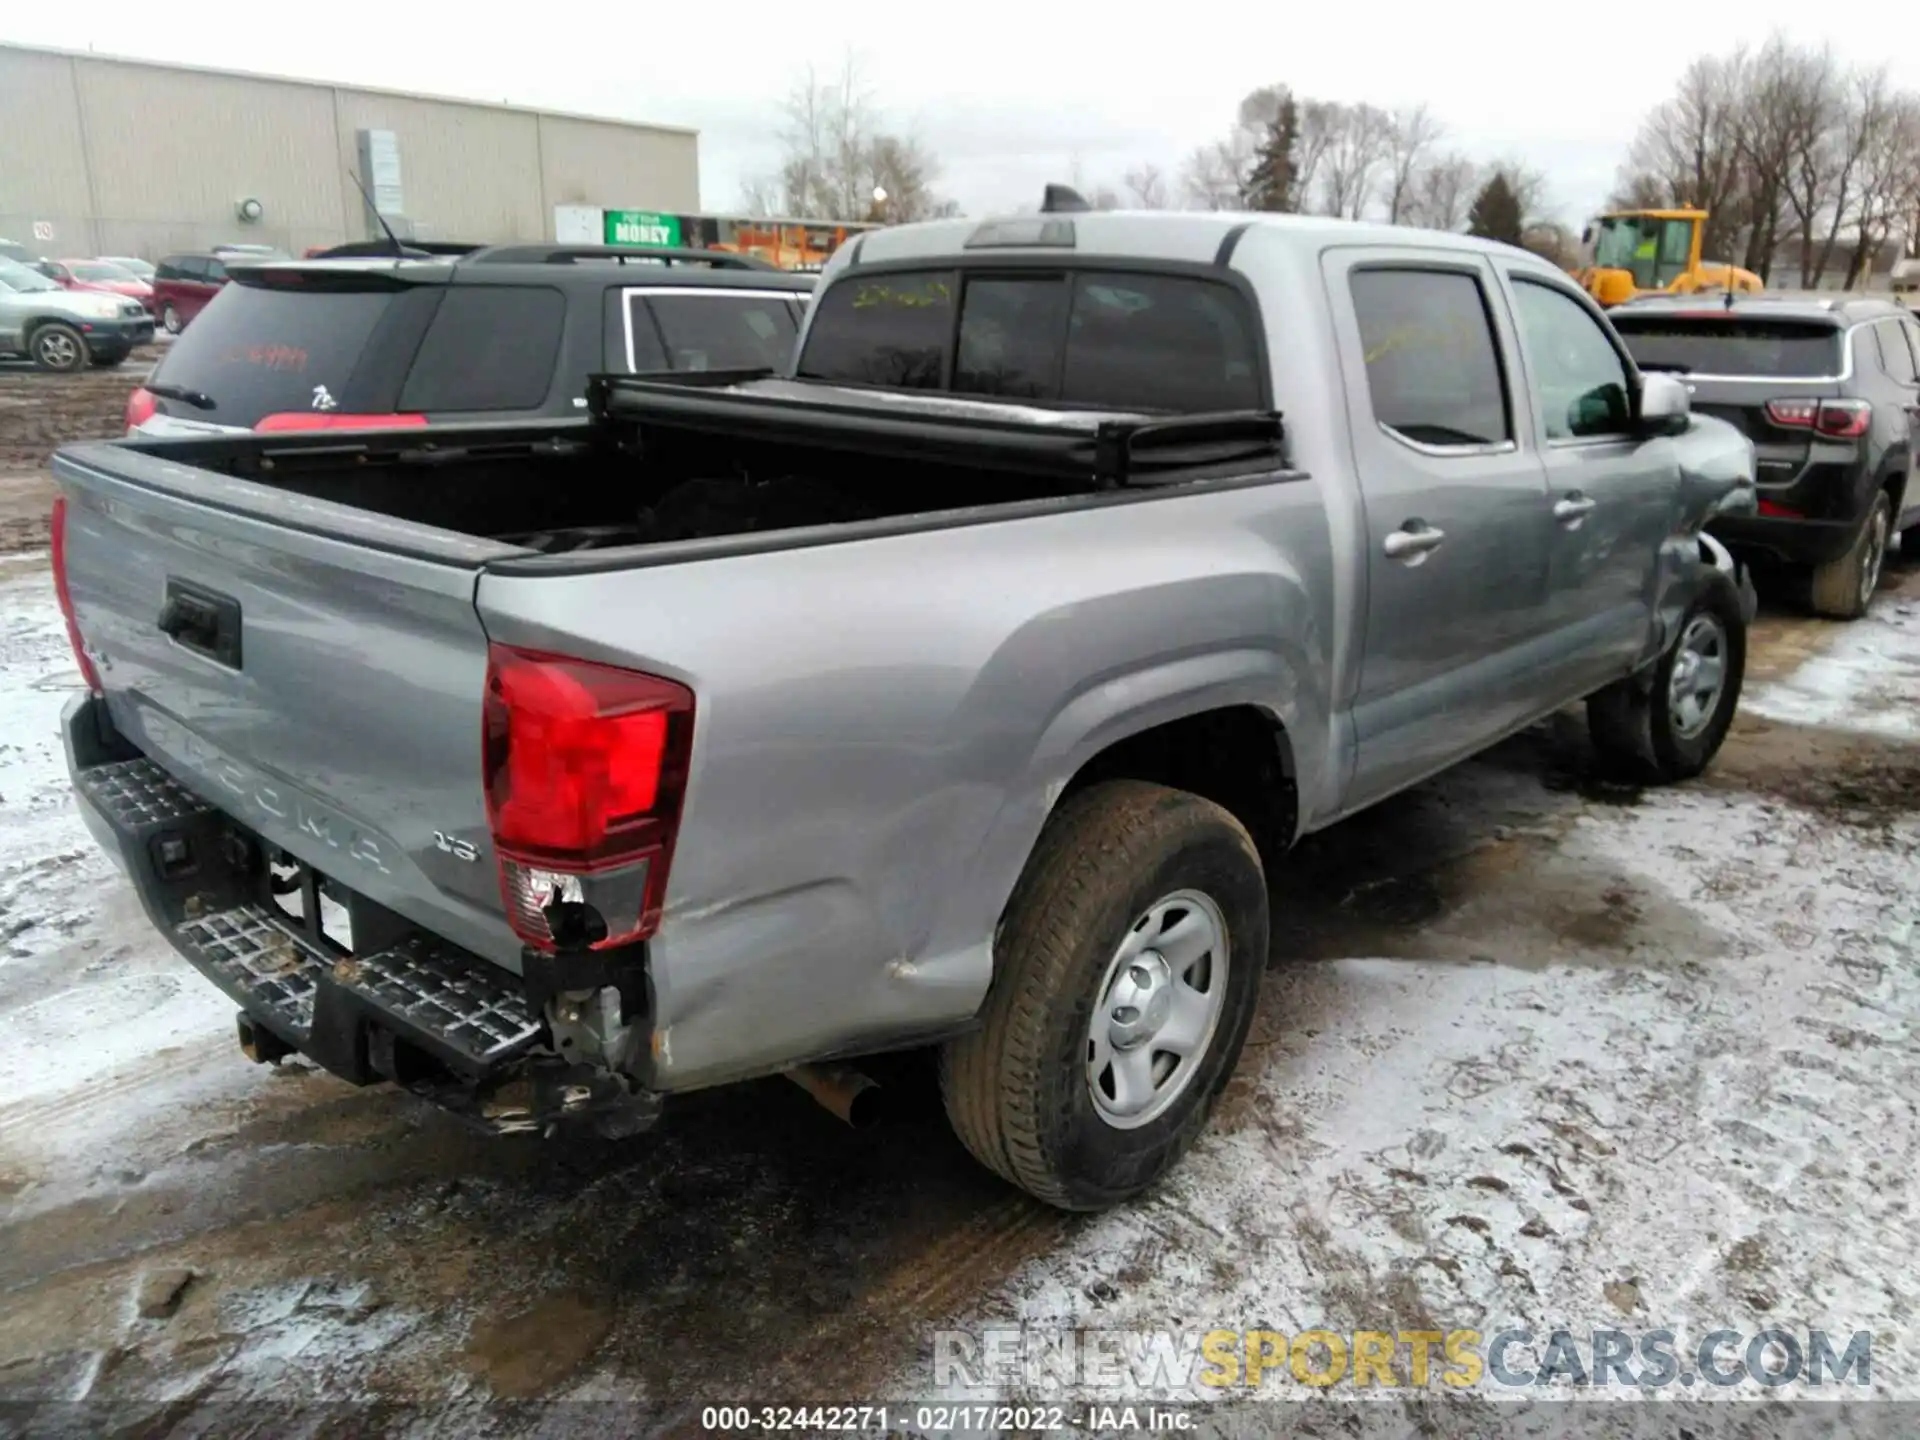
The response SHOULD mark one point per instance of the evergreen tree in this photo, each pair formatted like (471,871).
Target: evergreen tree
(1495,214)
(1273,182)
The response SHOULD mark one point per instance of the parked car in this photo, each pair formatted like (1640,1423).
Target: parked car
(20,255)
(182,286)
(98,275)
(507,332)
(962,687)
(63,329)
(144,269)
(1828,389)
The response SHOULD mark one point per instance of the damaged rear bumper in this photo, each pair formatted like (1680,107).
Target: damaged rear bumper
(408,1008)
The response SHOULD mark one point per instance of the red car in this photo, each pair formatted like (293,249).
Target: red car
(102,275)
(184,284)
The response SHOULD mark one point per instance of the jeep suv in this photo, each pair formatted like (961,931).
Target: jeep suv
(1828,389)
(508,332)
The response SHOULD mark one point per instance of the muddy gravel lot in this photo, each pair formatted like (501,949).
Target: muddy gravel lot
(38,414)
(1533,1051)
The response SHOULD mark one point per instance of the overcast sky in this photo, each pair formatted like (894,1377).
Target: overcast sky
(1007,96)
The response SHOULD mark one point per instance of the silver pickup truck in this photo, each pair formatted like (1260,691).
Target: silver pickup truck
(960,687)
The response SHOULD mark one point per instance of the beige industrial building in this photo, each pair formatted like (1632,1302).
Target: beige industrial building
(102,156)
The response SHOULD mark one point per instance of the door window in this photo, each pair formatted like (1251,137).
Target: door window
(1895,355)
(1433,365)
(491,347)
(1584,388)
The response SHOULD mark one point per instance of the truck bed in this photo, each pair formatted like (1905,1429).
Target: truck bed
(665,464)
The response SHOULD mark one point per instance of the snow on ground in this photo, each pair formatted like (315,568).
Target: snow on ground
(1537,1054)
(1864,684)
(1662,1073)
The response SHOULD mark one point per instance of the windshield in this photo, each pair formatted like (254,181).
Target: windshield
(1736,345)
(139,269)
(20,277)
(1655,252)
(101,273)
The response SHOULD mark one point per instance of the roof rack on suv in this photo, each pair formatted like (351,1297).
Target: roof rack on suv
(662,255)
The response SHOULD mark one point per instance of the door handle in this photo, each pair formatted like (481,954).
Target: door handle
(1572,510)
(1412,541)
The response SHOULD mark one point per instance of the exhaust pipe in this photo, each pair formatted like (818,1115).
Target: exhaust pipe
(854,1097)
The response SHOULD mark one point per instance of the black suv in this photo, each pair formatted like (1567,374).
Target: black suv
(504,332)
(1828,389)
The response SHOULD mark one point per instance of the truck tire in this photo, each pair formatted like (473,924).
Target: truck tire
(1065,1089)
(1842,588)
(58,347)
(1669,730)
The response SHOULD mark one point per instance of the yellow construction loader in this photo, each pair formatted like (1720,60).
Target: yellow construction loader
(1654,252)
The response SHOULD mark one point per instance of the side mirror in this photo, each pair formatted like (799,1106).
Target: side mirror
(1664,406)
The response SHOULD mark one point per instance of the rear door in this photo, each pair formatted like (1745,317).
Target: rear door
(338,711)
(1455,499)
(1765,375)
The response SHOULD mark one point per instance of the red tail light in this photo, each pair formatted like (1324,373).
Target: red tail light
(1781,512)
(585,769)
(333,420)
(1837,419)
(141,407)
(65,596)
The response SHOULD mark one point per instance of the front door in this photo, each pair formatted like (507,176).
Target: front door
(1614,497)
(1454,497)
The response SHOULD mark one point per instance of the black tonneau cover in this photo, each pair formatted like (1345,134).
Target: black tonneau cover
(1112,448)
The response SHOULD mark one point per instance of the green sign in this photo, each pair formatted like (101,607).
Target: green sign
(642,227)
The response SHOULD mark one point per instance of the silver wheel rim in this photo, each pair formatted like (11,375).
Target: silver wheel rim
(1876,555)
(1699,675)
(1157,1008)
(57,349)
(170,318)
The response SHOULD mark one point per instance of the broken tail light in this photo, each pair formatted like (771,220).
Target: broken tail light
(585,770)
(64,593)
(1835,419)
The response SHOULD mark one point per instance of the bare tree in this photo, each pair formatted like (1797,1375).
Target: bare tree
(1413,135)
(1442,193)
(1359,147)
(1147,188)
(1889,185)
(1688,150)
(1867,108)
(837,153)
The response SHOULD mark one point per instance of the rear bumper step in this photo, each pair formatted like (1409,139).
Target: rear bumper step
(443,1023)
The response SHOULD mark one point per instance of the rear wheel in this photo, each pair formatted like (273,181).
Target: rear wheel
(1126,974)
(58,347)
(1670,727)
(170,319)
(1843,587)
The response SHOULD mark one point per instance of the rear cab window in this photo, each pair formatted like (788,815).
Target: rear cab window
(1093,338)
(256,351)
(1746,346)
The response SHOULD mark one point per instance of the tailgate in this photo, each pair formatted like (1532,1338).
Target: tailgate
(314,671)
